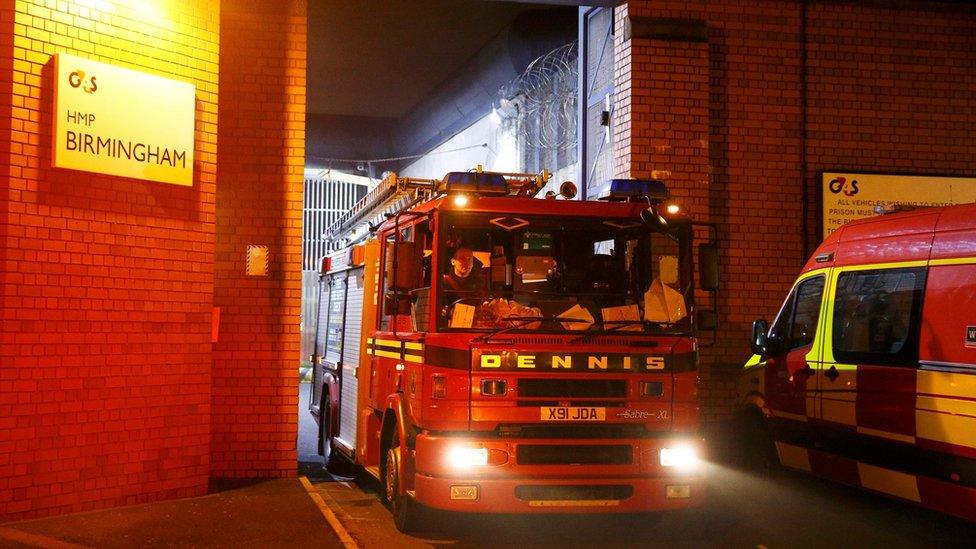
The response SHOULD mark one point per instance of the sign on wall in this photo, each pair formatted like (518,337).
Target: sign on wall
(122,122)
(850,196)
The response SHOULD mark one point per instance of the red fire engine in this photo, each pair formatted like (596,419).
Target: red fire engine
(481,350)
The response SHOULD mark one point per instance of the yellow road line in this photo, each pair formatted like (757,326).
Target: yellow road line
(35,540)
(333,520)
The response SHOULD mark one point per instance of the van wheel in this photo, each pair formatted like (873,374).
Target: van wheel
(406,511)
(753,448)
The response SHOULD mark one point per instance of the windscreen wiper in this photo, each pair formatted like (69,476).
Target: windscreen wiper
(518,322)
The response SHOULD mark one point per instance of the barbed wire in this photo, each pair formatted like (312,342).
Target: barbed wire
(540,104)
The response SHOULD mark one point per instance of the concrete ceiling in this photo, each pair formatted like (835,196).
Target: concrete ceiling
(381,58)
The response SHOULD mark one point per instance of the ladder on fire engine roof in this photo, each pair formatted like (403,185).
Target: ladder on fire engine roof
(393,194)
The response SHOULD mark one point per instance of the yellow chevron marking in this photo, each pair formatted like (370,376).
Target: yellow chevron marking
(369,340)
(389,343)
(886,434)
(387,354)
(413,358)
(891,482)
(793,457)
(413,345)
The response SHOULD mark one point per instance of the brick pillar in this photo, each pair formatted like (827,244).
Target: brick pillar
(661,108)
(662,122)
(261,146)
(106,283)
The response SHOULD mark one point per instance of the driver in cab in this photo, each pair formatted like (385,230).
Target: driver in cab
(465,275)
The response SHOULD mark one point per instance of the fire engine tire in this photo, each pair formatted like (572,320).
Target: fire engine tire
(335,461)
(406,512)
(753,447)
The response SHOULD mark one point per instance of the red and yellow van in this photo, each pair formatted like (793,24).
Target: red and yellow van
(867,376)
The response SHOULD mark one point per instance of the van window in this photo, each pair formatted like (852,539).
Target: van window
(876,316)
(797,321)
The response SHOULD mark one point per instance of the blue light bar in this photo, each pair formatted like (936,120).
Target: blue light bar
(627,189)
(475,183)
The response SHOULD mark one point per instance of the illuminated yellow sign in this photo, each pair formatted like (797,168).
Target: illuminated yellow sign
(850,196)
(122,122)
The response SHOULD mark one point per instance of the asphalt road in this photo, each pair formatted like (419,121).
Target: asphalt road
(743,510)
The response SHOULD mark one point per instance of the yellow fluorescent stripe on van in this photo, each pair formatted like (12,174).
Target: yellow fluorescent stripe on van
(946,384)
(811,274)
(387,354)
(793,457)
(953,261)
(877,266)
(890,482)
(413,358)
(414,346)
(389,343)
(886,434)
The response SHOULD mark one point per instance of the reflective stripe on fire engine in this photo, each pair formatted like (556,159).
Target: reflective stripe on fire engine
(392,348)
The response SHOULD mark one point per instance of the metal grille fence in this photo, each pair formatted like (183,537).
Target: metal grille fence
(325,200)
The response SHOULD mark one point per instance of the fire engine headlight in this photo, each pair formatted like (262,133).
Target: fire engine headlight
(462,457)
(680,457)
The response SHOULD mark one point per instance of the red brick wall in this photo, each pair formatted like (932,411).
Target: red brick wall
(887,90)
(261,144)
(106,283)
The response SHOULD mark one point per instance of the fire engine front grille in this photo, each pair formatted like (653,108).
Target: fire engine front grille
(572,388)
(574,454)
(620,430)
(573,493)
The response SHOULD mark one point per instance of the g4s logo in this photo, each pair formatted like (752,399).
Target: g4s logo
(839,184)
(77,79)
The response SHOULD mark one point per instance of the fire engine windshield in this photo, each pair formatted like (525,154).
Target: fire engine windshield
(547,274)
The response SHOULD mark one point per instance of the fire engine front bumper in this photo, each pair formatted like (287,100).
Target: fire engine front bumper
(558,476)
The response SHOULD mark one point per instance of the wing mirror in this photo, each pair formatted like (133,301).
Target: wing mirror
(760,337)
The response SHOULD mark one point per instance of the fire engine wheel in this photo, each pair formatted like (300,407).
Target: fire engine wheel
(406,512)
(325,436)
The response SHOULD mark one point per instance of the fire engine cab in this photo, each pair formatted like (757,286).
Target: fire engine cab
(867,375)
(482,350)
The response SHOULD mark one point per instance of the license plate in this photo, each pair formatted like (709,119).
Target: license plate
(572,413)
